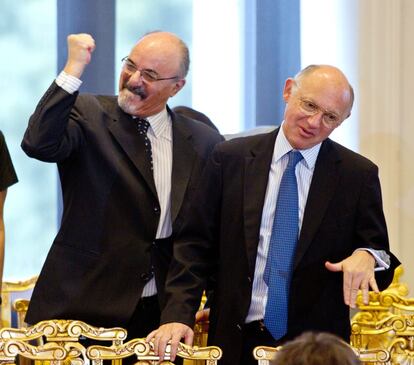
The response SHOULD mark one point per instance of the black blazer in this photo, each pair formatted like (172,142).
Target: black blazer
(343,212)
(105,249)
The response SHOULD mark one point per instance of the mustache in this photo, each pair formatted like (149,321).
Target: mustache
(139,90)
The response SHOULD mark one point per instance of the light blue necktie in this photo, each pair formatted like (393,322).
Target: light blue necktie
(283,240)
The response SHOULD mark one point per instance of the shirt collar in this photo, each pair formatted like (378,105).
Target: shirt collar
(161,124)
(282,147)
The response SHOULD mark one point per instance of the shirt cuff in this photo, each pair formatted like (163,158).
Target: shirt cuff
(67,82)
(381,257)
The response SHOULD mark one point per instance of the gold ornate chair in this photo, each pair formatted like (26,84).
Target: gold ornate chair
(200,334)
(382,332)
(10,348)
(15,297)
(15,311)
(145,353)
(385,327)
(20,307)
(13,291)
(62,346)
(61,334)
(264,354)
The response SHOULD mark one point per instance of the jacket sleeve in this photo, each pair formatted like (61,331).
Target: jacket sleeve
(54,131)
(371,230)
(196,249)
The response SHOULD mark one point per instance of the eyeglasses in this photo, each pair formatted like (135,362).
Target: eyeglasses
(329,119)
(147,74)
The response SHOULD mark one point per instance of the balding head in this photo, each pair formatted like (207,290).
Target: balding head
(158,37)
(153,72)
(318,99)
(328,74)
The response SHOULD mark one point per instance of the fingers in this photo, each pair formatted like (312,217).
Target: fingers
(335,267)
(366,284)
(347,287)
(373,284)
(151,336)
(353,293)
(170,334)
(175,340)
(80,48)
(358,274)
(355,280)
(365,291)
(189,338)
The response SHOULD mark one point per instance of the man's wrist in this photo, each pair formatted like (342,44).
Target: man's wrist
(67,82)
(382,259)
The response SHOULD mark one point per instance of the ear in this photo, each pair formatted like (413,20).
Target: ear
(288,89)
(177,87)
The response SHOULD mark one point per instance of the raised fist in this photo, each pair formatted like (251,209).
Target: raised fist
(80,48)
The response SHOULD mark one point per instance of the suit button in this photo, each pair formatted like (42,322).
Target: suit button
(249,279)
(157,210)
(239,327)
(145,276)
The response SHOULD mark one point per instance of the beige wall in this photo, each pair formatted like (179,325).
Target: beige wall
(386,101)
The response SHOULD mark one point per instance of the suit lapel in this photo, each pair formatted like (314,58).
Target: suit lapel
(183,159)
(322,188)
(256,168)
(124,129)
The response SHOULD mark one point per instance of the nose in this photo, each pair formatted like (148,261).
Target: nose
(316,119)
(135,78)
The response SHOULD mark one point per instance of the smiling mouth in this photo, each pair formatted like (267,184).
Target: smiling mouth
(305,132)
(137,91)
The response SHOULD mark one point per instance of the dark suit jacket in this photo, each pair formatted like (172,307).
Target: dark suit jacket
(343,212)
(105,249)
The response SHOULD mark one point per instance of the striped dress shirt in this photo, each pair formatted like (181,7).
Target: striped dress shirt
(304,172)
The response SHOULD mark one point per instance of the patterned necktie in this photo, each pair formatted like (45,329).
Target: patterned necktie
(143,126)
(283,240)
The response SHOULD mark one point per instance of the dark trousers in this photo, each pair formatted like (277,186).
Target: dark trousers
(255,334)
(145,318)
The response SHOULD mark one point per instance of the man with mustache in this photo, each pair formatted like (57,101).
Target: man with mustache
(128,167)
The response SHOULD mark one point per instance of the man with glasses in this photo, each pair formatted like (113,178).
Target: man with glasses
(290,223)
(128,167)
